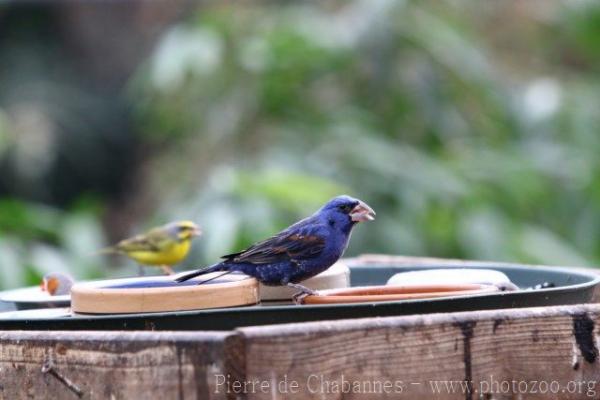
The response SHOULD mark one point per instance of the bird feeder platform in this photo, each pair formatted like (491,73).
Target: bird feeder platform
(480,351)
(116,306)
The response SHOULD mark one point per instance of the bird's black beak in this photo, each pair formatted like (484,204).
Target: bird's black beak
(362,212)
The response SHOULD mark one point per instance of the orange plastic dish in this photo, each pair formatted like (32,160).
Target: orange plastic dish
(366,294)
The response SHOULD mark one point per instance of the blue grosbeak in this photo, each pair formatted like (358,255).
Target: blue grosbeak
(300,251)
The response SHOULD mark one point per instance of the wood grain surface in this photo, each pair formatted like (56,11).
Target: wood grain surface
(110,365)
(482,349)
(393,357)
(89,298)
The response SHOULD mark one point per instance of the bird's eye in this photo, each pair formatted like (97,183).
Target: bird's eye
(346,208)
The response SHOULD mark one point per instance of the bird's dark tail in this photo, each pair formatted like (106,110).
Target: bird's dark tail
(193,274)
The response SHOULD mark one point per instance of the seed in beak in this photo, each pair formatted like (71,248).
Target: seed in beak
(362,212)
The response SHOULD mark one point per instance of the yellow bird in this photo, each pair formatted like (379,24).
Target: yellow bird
(162,246)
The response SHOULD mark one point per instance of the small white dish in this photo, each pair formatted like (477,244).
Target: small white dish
(450,276)
(33,297)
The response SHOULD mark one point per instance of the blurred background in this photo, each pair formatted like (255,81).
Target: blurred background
(471,127)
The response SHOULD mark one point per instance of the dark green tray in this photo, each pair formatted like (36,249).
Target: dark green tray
(571,287)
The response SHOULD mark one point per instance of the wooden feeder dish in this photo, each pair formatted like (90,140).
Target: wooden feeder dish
(162,294)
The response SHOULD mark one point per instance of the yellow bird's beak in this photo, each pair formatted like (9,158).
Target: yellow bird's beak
(196,231)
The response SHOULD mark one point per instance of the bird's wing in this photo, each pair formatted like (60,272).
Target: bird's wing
(289,245)
(155,240)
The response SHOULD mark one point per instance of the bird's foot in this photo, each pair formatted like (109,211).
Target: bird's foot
(299,297)
(167,270)
(303,289)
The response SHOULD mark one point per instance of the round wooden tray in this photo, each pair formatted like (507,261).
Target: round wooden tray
(160,294)
(391,293)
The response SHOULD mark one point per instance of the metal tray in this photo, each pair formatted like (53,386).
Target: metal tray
(571,287)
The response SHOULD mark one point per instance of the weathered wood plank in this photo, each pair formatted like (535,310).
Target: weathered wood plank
(490,348)
(111,365)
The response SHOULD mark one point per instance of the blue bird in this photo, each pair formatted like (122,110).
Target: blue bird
(299,252)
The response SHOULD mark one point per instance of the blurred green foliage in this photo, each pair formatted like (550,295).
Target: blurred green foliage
(471,128)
